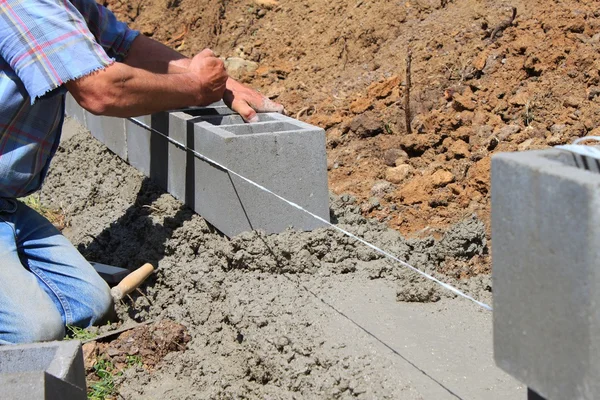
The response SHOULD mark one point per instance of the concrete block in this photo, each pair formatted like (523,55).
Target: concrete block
(148,151)
(73,110)
(51,371)
(285,155)
(138,144)
(546,271)
(110,131)
(180,126)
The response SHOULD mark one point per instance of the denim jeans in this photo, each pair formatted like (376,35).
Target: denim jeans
(45,283)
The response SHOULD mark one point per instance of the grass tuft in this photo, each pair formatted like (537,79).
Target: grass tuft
(57,217)
(76,333)
(105,386)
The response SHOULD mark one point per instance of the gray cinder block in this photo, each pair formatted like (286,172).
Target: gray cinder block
(73,110)
(546,271)
(177,183)
(110,131)
(138,144)
(284,155)
(50,371)
(147,151)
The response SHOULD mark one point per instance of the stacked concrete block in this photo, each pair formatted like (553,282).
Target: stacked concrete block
(284,155)
(179,176)
(49,371)
(73,110)
(110,131)
(546,271)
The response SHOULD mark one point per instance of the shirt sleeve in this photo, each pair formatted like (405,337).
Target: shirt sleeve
(49,42)
(113,35)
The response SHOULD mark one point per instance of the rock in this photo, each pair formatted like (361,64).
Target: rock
(268,4)
(592,92)
(571,102)
(366,125)
(521,98)
(449,94)
(480,60)
(460,149)
(375,202)
(441,178)
(398,174)
(507,131)
(325,121)
(371,205)
(479,174)
(462,133)
(381,188)
(238,67)
(414,191)
(391,157)
(525,145)
(419,143)
(381,90)
(555,140)
(90,354)
(462,103)
(480,118)
(360,105)
(557,129)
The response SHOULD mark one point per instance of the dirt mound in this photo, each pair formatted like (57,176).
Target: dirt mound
(340,65)
(246,302)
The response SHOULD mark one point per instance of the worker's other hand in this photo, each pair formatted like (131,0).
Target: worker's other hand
(212,76)
(247,102)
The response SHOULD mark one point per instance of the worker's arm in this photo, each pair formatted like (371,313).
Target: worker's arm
(122,90)
(153,56)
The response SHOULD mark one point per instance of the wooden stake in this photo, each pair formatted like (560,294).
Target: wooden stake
(407,112)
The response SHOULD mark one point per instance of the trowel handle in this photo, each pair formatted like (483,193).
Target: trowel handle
(132,281)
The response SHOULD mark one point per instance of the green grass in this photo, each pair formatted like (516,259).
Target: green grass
(76,333)
(106,372)
(105,387)
(56,217)
(133,360)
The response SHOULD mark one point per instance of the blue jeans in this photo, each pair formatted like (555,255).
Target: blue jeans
(45,283)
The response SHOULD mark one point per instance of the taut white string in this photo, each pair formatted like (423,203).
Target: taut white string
(291,203)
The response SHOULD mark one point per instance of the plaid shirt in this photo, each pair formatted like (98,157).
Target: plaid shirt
(43,44)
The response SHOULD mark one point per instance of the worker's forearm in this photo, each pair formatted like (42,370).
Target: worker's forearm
(154,56)
(124,91)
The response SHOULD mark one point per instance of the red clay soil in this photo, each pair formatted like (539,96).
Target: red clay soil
(340,64)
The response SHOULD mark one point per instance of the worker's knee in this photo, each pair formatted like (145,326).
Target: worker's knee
(95,304)
(34,327)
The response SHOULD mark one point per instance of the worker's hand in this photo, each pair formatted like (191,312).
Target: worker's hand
(212,76)
(247,102)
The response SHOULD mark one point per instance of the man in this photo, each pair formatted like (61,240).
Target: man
(49,47)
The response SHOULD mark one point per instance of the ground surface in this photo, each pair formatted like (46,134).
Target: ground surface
(294,315)
(256,309)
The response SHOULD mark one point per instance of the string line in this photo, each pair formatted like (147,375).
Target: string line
(324,221)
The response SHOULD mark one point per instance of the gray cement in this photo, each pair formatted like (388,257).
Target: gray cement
(50,371)
(291,315)
(546,230)
(285,155)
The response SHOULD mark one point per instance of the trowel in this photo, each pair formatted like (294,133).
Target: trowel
(123,281)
